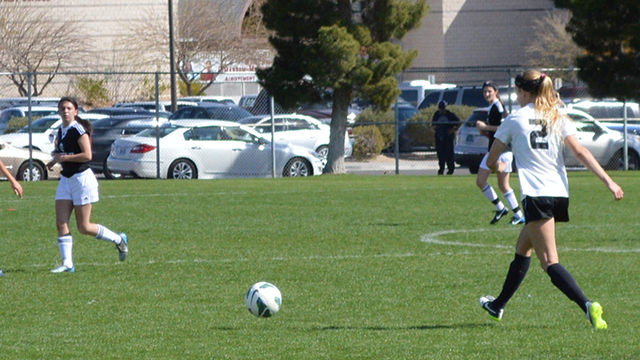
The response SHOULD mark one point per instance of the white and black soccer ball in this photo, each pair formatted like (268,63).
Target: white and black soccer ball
(263,299)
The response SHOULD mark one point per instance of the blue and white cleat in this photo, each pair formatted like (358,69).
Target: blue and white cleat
(62,269)
(516,220)
(1,272)
(123,248)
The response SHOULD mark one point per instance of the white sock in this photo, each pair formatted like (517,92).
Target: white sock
(490,194)
(513,202)
(108,235)
(65,245)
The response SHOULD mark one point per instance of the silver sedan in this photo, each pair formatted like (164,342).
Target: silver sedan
(207,149)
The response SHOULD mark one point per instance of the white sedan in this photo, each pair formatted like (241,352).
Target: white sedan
(43,132)
(207,149)
(297,129)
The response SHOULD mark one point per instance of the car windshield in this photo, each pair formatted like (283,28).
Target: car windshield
(155,132)
(38,126)
(228,113)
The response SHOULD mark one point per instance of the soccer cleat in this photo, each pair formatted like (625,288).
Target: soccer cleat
(123,248)
(485,302)
(63,268)
(499,215)
(1,272)
(517,220)
(594,315)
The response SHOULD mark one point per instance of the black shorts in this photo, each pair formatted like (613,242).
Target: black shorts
(546,207)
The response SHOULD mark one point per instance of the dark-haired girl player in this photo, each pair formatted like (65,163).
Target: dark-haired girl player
(78,187)
(494,119)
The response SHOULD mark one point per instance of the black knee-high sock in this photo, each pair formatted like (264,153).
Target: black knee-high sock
(563,280)
(517,271)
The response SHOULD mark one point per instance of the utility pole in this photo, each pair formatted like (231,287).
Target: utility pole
(172,60)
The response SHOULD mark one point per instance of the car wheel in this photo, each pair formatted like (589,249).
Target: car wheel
(322,151)
(617,161)
(182,169)
(473,168)
(37,173)
(634,161)
(108,174)
(297,167)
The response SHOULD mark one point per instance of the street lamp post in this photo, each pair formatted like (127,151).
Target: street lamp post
(172,59)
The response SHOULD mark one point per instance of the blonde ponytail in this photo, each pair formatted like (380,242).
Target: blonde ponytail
(547,102)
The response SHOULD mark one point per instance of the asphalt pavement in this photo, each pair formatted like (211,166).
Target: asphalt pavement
(415,163)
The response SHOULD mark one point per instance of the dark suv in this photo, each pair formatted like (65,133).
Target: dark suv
(467,95)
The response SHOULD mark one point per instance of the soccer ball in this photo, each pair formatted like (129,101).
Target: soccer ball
(263,299)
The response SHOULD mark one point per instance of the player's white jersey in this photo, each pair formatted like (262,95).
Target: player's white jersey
(538,153)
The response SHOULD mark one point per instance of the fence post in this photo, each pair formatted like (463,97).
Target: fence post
(273,137)
(625,152)
(509,91)
(29,119)
(158,125)
(396,146)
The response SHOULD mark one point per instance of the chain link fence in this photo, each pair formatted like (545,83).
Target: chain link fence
(407,139)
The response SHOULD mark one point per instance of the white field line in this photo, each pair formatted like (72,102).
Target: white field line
(434,238)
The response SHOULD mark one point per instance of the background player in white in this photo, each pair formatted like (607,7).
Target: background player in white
(536,133)
(15,185)
(78,187)
(494,119)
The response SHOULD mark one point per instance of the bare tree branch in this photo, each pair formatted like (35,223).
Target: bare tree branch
(552,47)
(206,31)
(34,40)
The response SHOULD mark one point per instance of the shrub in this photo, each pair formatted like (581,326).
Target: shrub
(369,142)
(419,127)
(383,120)
(93,92)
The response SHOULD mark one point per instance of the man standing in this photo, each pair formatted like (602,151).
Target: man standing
(446,124)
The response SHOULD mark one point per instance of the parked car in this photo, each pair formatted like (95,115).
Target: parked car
(405,111)
(605,144)
(163,106)
(246,101)
(120,111)
(108,130)
(469,96)
(16,160)
(22,111)
(211,111)
(24,101)
(208,149)
(43,132)
(632,128)
(606,110)
(414,91)
(298,130)
(212,99)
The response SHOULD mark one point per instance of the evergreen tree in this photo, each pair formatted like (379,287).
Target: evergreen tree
(609,33)
(340,48)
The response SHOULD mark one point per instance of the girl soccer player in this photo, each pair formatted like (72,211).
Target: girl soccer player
(494,119)
(78,187)
(536,133)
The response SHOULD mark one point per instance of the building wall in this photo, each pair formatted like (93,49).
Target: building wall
(478,33)
(455,33)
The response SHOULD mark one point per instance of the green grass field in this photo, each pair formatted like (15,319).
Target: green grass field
(386,267)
